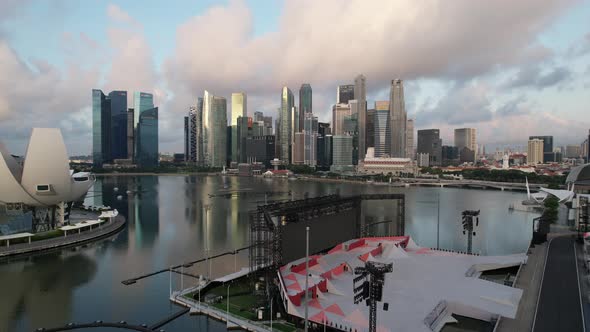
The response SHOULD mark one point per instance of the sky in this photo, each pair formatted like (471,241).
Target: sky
(510,69)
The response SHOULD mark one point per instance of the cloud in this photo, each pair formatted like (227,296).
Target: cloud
(117,14)
(534,76)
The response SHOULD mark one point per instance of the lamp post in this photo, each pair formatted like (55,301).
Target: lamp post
(306,272)
(227,314)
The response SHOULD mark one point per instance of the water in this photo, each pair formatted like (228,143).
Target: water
(166,226)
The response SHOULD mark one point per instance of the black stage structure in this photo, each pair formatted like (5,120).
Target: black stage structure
(277,230)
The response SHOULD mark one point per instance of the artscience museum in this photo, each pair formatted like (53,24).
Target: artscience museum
(37,192)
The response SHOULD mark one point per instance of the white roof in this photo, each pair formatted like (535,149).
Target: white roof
(81,224)
(422,281)
(15,236)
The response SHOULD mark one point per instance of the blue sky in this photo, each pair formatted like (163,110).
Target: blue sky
(507,69)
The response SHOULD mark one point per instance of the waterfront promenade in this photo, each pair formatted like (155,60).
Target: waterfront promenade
(106,229)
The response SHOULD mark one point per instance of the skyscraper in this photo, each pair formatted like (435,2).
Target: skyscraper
(147,138)
(187,138)
(130,134)
(298,149)
(548,155)
(410,139)
(535,151)
(215,130)
(285,138)
(305,102)
(238,109)
(370,128)
(339,112)
(344,93)
(465,138)
(258,116)
(141,102)
(360,94)
(109,126)
(397,110)
(195,133)
(295,121)
(310,140)
(429,142)
(382,129)
(341,153)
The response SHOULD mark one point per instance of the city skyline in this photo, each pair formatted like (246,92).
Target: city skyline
(533,83)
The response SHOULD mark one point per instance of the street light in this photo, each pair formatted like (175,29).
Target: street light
(227,314)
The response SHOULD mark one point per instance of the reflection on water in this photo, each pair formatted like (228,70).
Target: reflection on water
(166,226)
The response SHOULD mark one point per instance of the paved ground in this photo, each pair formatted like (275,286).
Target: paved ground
(529,280)
(71,239)
(559,306)
(584,277)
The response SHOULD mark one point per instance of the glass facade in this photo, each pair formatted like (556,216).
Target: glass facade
(142,101)
(118,124)
(285,138)
(147,138)
(382,133)
(310,140)
(101,123)
(215,130)
(305,102)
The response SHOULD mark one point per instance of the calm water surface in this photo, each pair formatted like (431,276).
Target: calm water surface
(166,226)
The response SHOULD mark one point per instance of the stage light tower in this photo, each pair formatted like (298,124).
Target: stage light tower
(467,220)
(368,286)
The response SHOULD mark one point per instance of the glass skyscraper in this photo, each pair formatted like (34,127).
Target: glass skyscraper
(142,101)
(287,104)
(214,130)
(305,102)
(109,126)
(310,139)
(398,118)
(360,94)
(147,138)
(382,133)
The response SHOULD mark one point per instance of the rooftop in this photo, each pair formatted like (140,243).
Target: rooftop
(424,289)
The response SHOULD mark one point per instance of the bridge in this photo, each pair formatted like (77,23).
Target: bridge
(465,183)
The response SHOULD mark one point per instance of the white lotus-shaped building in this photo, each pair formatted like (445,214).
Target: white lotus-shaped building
(45,178)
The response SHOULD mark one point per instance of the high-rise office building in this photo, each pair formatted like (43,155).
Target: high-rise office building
(109,126)
(398,117)
(215,130)
(298,149)
(344,93)
(258,116)
(382,137)
(535,151)
(260,149)
(572,151)
(142,101)
(285,125)
(339,113)
(410,139)
(268,125)
(429,142)
(370,128)
(238,109)
(450,155)
(341,153)
(548,155)
(324,155)
(243,130)
(147,138)
(466,143)
(350,128)
(187,139)
(324,129)
(295,121)
(310,129)
(360,94)
(130,134)
(305,103)
(195,134)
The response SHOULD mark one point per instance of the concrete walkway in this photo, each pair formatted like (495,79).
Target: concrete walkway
(63,241)
(559,307)
(529,280)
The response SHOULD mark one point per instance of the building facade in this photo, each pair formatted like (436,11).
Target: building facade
(429,142)
(398,117)
(548,155)
(360,94)
(305,102)
(215,130)
(535,151)
(344,93)
(260,149)
(339,113)
(310,129)
(465,138)
(109,126)
(385,166)
(147,138)
(410,139)
(382,137)
(341,153)
(298,149)
(285,126)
